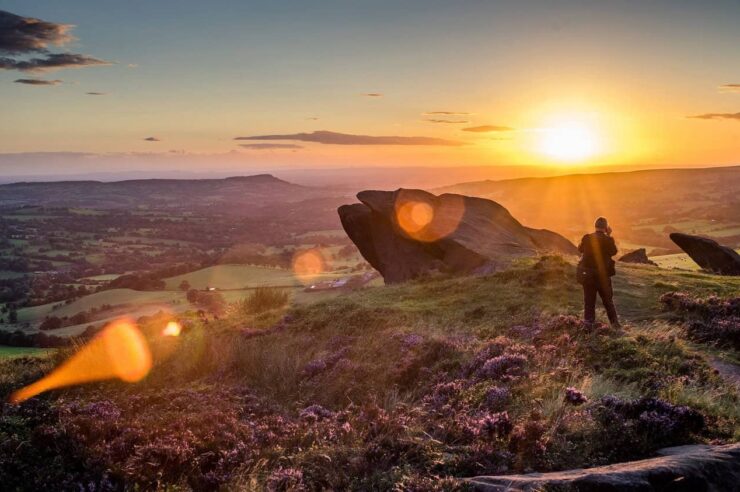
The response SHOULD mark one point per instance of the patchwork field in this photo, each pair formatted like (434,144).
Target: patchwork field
(241,277)
(113,297)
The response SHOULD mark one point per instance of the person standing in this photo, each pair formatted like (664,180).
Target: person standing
(595,270)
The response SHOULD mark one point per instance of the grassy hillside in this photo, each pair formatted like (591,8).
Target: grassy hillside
(409,387)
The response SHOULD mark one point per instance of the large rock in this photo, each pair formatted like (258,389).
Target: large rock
(709,254)
(695,468)
(637,256)
(407,234)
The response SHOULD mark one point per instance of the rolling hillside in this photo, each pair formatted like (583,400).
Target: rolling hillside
(642,206)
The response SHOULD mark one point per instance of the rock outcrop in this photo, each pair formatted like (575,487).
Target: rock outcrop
(678,469)
(407,234)
(637,256)
(709,254)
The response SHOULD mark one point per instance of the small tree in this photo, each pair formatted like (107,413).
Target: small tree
(51,323)
(184,286)
(192,296)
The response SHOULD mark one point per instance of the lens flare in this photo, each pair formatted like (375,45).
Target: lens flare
(426,218)
(173,329)
(119,351)
(309,264)
(414,216)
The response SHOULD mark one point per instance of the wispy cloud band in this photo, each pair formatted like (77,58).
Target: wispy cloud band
(334,138)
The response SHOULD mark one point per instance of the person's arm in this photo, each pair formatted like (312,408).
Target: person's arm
(612,247)
(580,246)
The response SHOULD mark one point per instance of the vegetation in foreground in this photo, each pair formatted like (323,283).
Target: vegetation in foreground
(407,387)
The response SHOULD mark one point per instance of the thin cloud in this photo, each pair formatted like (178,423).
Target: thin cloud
(488,129)
(334,138)
(716,116)
(96,93)
(52,61)
(446,113)
(269,146)
(730,88)
(372,94)
(23,36)
(37,81)
(451,122)
(152,139)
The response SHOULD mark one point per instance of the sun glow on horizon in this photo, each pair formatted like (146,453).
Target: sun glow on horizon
(570,140)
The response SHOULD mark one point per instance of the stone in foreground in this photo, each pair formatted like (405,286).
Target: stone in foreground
(407,234)
(709,254)
(637,256)
(694,468)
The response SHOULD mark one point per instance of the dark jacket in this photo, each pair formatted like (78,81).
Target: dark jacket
(597,249)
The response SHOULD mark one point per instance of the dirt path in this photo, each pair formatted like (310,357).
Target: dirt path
(729,371)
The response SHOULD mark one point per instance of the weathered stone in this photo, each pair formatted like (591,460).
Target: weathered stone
(408,234)
(694,468)
(709,254)
(637,256)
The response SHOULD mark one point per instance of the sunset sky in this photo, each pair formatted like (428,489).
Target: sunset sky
(160,83)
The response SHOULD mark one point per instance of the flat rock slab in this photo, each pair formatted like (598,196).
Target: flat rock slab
(708,253)
(694,468)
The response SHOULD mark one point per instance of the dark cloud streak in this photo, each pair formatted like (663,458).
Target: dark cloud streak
(19,35)
(730,88)
(24,36)
(451,122)
(488,128)
(716,116)
(446,113)
(269,146)
(52,61)
(334,138)
(37,81)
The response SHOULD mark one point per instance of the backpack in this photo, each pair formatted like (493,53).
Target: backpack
(582,272)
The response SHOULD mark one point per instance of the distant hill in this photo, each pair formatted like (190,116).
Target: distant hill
(262,189)
(643,206)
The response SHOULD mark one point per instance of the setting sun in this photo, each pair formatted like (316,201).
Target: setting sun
(570,141)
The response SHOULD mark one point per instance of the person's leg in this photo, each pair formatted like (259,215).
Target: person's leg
(589,301)
(607,298)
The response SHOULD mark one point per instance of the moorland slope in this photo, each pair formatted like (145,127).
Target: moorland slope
(411,386)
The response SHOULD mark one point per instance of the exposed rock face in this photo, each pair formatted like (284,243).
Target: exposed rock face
(407,234)
(637,256)
(709,254)
(678,469)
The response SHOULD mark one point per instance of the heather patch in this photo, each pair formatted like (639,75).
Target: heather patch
(712,320)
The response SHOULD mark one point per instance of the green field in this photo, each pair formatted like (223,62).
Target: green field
(240,277)
(114,297)
(10,352)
